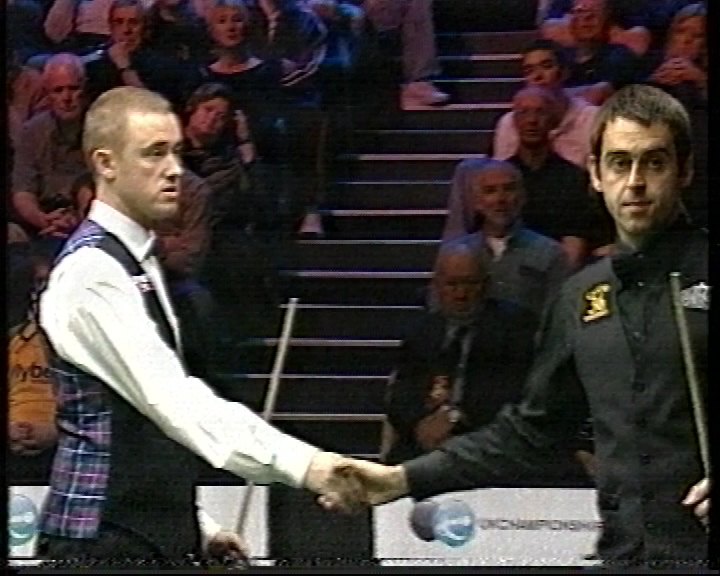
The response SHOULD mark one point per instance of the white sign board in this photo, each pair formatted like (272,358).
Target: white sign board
(221,502)
(514,527)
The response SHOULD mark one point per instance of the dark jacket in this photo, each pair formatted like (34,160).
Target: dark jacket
(497,362)
(610,343)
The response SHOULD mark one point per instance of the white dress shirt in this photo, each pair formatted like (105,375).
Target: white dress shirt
(95,318)
(571,138)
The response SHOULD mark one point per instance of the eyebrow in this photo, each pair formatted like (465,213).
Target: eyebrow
(657,150)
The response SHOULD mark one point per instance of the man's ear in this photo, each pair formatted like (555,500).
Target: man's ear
(103,163)
(594,172)
(687,172)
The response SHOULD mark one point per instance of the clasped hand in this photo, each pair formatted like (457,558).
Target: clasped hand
(349,485)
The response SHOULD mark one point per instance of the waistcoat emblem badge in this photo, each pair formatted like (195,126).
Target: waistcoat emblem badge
(596,302)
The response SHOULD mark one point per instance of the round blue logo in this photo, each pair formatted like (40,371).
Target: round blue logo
(454,523)
(22,520)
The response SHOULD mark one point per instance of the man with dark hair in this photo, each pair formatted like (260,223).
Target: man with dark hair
(545,64)
(611,348)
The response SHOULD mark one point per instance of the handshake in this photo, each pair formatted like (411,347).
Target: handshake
(349,485)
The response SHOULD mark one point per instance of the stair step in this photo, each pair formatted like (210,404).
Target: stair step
(480,90)
(356,254)
(502,65)
(439,141)
(484,42)
(354,225)
(356,322)
(485,15)
(318,356)
(388,194)
(369,288)
(311,397)
(450,117)
(399,166)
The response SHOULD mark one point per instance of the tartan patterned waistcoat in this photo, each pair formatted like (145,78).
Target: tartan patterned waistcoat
(113,466)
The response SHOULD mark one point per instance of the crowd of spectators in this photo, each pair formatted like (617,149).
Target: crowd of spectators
(251,79)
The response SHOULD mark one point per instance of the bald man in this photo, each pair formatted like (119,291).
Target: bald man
(557,203)
(460,361)
(48,157)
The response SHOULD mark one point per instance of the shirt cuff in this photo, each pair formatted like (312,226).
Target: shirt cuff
(293,462)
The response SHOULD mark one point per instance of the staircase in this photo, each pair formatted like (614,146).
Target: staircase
(360,286)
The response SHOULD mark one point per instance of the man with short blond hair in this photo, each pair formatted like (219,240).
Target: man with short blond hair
(132,421)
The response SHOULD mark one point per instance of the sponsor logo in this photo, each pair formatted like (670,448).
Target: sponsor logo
(22,520)
(454,523)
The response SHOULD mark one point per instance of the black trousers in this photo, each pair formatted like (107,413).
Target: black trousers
(114,547)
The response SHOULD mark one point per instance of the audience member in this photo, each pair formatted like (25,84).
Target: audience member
(127,61)
(458,364)
(174,29)
(680,66)
(283,114)
(24,28)
(527,268)
(48,157)
(32,431)
(639,24)
(557,195)
(597,67)
(25,95)
(627,25)
(243,216)
(414,20)
(544,63)
(78,26)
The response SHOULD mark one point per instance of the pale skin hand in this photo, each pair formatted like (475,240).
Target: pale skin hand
(328,476)
(698,498)
(380,484)
(228,545)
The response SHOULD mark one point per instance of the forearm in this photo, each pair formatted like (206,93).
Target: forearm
(96,320)
(27,207)
(59,20)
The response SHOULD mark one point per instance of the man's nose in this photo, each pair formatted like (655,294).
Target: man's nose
(636,179)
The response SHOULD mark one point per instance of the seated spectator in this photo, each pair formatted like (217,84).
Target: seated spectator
(284,116)
(32,431)
(628,25)
(414,20)
(639,24)
(597,67)
(460,363)
(242,214)
(127,61)
(557,194)
(545,64)
(24,28)
(25,95)
(78,26)
(526,267)
(174,29)
(680,66)
(48,158)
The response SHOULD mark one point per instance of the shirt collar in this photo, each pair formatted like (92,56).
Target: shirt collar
(138,240)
